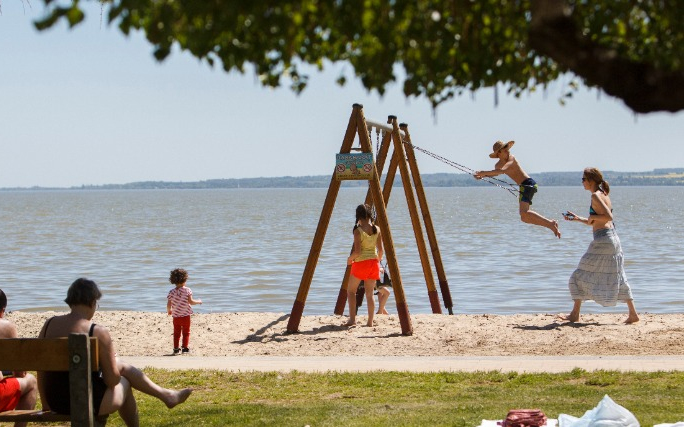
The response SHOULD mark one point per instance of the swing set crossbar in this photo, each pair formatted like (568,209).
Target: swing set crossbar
(373,124)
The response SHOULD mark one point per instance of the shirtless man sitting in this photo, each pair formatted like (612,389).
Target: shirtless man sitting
(20,390)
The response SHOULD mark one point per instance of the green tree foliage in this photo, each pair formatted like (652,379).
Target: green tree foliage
(630,49)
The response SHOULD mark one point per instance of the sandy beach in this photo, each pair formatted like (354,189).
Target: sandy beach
(264,334)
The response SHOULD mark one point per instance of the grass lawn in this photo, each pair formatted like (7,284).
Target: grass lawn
(403,399)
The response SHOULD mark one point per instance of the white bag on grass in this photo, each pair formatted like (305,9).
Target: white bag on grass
(606,414)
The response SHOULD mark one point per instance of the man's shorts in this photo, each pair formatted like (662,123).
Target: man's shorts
(527,189)
(366,270)
(10,393)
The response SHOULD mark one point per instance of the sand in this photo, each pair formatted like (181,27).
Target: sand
(264,334)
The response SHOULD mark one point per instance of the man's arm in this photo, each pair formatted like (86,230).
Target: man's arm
(9,330)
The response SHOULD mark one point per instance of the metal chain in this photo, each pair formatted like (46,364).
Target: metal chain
(506,185)
(377,142)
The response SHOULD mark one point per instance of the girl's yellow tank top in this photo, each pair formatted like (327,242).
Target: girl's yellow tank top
(368,246)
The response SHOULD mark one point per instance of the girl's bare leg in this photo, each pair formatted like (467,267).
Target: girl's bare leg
(370,301)
(352,286)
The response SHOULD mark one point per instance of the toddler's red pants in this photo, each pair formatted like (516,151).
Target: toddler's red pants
(181,325)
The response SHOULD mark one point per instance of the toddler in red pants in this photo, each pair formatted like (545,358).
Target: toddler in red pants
(178,305)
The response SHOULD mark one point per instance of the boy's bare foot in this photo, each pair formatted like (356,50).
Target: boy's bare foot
(383,311)
(177,397)
(555,229)
(631,319)
(572,318)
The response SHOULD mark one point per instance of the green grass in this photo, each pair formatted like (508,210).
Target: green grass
(403,399)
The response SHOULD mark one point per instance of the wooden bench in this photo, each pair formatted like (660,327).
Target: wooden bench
(77,354)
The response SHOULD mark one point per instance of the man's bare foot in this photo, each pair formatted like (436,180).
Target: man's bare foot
(176,397)
(572,318)
(555,229)
(349,324)
(632,319)
(371,324)
(383,311)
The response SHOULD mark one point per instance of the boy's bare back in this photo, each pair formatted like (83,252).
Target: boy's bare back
(511,168)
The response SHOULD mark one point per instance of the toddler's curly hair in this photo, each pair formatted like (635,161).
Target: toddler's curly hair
(178,276)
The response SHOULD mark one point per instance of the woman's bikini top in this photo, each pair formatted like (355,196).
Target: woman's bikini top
(593,212)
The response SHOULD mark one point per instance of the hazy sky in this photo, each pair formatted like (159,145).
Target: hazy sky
(91,106)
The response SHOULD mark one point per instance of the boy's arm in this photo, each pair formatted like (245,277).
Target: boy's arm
(9,330)
(497,170)
(193,301)
(168,306)
(482,174)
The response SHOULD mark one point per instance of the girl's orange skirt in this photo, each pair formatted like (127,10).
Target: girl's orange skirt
(366,270)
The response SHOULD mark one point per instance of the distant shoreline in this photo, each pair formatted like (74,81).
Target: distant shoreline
(656,177)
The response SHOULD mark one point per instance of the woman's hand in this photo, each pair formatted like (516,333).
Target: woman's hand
(570,216)
(350,260)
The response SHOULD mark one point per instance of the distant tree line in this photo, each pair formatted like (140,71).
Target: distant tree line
(672,176)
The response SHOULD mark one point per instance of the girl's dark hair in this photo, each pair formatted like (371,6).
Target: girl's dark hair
(178,276)
(595,175)
(364,212)
(83,292)
(3,300)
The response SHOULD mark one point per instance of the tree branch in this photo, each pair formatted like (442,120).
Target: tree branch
(643,87)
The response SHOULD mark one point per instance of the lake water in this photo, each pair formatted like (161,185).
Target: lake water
(246,249)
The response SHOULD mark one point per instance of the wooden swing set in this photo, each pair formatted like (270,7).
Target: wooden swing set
(403,158)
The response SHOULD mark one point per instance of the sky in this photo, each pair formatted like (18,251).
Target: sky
(91,106)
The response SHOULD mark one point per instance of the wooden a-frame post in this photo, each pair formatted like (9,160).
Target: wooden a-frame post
(405,160)
(357,125)
(427,219)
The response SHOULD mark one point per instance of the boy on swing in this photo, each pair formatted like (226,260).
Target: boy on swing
(508,164)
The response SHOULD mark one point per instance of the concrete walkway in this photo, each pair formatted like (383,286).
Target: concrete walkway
(552,364)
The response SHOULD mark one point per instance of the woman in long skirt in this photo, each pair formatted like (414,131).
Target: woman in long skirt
(600,275)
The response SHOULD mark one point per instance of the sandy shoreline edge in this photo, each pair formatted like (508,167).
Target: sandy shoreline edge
(264,334)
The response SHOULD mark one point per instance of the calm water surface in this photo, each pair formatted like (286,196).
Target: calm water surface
(246,249)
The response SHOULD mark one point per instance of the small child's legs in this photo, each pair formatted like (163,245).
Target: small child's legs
(181,326)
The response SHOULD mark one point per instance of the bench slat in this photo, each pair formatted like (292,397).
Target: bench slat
(47,354)
(32,416)
(38,416)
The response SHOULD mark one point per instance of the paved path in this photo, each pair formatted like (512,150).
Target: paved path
(414,364)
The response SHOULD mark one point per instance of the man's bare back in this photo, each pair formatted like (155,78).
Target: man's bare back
(7,329)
